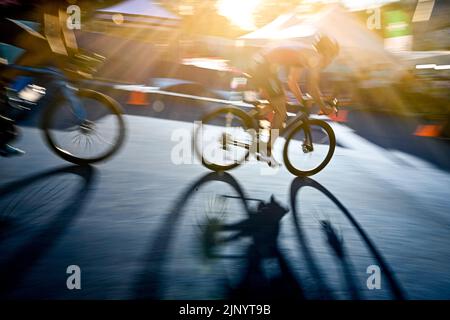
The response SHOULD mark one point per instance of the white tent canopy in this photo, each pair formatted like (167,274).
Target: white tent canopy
(334,21)
(273,30)
(359,46)
(140,7)
(140,13)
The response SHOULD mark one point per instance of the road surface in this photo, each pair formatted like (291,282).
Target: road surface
(139,225)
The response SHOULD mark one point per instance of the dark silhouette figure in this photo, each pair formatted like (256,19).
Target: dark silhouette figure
(262,226)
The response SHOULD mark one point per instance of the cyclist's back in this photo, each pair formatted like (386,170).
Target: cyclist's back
(291,55)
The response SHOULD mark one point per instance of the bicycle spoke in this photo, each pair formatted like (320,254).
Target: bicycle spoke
(93,137)
(223,140)
(100,137)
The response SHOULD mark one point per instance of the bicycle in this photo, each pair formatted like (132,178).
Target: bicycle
(312,141)
(73,117)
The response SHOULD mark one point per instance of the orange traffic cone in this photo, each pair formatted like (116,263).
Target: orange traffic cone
(428,130)
(138,98)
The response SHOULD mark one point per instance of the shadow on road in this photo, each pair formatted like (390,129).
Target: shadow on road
(148,284)
(260,226)
(334,241)
(34,213)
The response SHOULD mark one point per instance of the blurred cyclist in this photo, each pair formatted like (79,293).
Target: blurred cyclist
(40,28)
(298,58)
(41,40)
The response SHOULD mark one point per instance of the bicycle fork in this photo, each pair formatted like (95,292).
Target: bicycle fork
(307,145)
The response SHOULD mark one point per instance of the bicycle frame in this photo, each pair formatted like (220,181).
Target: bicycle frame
(299,118)
(62,83)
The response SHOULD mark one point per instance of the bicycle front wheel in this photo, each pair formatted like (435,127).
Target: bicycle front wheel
(309,147)
(223,139)
(93,137)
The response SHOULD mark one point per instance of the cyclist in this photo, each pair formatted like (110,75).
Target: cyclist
(53,44)
(297,58)
(48,37)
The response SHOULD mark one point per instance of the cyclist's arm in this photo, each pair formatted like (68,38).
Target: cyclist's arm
(293,78)
(314,88)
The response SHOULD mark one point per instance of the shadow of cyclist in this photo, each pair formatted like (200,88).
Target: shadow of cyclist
(263,227)
(34,213)
(335,242)
(148,284)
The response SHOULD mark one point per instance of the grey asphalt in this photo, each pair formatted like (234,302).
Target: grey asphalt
(137,225)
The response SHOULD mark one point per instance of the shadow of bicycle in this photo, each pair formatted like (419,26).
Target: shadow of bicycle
(217,243)
(329,233)
(34,213)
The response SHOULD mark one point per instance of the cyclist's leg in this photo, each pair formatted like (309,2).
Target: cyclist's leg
(277,99)
(279,106)
(6,124)
(36,51)
(266,80)
(8,130)
(8,133)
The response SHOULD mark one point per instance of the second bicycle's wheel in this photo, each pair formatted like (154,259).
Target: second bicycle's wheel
(94,137)
(306,158)
(222,141)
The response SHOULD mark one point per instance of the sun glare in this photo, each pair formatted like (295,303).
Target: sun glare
(239,12)
(354,4)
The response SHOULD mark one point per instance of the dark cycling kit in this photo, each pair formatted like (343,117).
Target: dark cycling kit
(263,68)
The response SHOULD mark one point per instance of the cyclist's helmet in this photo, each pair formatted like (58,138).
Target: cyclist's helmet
(326,45)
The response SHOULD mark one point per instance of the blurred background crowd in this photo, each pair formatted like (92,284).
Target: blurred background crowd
(394,58)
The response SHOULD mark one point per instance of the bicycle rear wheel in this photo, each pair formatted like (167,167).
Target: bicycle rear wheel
(309,147)
(223,139)
(94,138)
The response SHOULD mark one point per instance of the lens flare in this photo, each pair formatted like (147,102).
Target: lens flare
(239,12)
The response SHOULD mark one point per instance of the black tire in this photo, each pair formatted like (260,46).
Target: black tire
(238,113)
(113,107)
(332,139)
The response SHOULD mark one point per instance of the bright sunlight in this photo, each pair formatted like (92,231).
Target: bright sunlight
(239,12)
